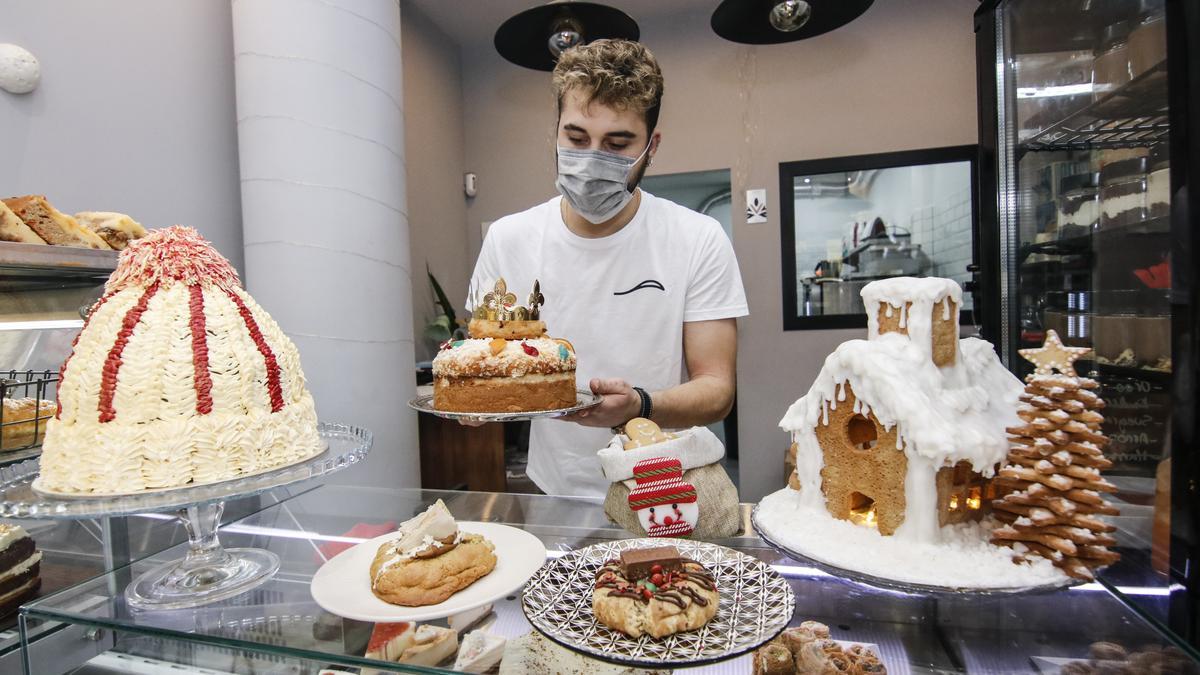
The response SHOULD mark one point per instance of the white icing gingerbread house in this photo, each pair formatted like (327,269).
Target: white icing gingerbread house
(903,431)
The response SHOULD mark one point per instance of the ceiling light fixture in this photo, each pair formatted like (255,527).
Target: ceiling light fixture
(536,37)
(790,15)
(764,22)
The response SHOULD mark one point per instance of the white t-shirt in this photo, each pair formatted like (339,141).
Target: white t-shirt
(621,300)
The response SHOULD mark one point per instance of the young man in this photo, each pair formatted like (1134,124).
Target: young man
(645,289)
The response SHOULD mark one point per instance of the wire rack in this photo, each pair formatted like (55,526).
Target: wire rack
(28,404)
(1135,114)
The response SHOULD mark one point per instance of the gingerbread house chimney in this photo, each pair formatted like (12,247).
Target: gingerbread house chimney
(924,309)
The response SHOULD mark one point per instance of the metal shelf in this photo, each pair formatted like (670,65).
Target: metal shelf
(1133,115)
(25,267)
(43,260)
(1082,244)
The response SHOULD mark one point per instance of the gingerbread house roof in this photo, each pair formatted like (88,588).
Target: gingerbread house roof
(944,414)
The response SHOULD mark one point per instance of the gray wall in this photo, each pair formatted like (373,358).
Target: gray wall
(434,145)
(135,112)
(900,77)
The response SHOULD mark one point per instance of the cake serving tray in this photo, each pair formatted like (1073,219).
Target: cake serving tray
(756,605)
(896,584)
(584,400)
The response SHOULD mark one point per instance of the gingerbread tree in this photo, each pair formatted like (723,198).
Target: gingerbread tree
(1052,477)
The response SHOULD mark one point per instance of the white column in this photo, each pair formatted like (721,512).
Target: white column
(321,147)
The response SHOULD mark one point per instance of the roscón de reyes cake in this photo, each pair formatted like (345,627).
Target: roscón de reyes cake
(509,364)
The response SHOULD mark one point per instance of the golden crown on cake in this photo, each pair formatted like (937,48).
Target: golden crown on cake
(501,305)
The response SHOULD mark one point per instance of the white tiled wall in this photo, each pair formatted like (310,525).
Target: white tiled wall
(944,232)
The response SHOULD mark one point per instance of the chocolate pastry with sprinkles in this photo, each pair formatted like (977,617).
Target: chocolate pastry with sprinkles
(654,591)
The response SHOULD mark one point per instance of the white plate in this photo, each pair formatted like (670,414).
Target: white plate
(343,585)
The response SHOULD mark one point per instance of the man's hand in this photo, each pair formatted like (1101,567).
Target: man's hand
(621,404)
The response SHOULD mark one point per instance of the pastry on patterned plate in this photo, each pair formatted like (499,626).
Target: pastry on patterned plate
(429,560)
(116,229)
(654,591)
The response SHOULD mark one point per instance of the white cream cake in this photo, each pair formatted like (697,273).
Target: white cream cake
(177,378)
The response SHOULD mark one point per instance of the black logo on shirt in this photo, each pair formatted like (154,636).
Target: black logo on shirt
(649,283)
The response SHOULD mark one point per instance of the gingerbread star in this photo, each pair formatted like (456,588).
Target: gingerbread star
(1054,355)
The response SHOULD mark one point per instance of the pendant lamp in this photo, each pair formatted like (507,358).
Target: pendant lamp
(536,37)
(765,22)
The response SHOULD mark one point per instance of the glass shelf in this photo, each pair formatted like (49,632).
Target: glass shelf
(279,621)
(74,551)
(1133,115)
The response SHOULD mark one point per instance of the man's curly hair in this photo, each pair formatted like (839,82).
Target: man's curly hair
(621,74)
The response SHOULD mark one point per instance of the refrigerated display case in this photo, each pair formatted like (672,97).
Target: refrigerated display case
(280,628)
(1088,130)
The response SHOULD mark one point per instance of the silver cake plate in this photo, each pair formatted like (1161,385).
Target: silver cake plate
(896,584)
(584,400)
(756,605)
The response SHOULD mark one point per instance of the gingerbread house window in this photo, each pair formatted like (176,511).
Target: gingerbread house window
(862,509)
(862,433)
(969,490)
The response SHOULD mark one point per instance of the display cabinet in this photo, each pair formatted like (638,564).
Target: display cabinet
(74,551)
(278,627)
(43,292)
(1086,144)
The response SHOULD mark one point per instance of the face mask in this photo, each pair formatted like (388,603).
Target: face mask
(595,183)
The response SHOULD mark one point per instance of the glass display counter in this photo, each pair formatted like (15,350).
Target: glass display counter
(74,551)
(279,628)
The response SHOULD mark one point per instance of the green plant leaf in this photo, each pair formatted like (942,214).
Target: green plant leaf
(442,300)
(438,330)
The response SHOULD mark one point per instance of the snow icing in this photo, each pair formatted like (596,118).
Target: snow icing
(924,293)
(951,414)
(963,558)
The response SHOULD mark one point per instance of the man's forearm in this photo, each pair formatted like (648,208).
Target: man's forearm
(698,402)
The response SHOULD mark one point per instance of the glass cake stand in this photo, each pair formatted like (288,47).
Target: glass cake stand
(208,572)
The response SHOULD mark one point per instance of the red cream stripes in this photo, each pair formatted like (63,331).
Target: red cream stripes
(112,364)
(200,378)
(62,370)
(273,387)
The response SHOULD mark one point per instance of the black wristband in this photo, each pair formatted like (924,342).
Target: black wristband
(647,404)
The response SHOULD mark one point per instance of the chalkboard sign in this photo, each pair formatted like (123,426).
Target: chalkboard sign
(1136,418)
